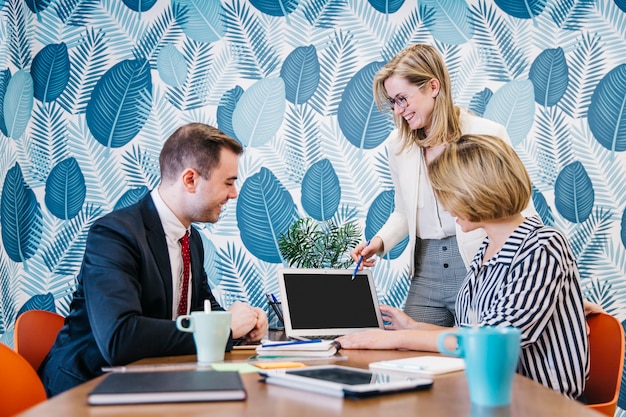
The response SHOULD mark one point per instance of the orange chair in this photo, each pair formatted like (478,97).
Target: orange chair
(34,334)
(606,354)
(20,386)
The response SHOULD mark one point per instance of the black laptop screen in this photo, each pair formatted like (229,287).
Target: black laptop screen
(329,301)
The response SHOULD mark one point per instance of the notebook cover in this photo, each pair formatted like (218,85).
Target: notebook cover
(167,386)
(428,366)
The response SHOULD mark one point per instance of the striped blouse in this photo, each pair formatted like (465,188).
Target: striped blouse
(533,284)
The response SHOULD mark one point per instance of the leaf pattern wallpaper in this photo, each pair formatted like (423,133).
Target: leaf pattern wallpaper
(90,89)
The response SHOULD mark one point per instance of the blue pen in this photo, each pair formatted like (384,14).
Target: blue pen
(292,342)
(358,264)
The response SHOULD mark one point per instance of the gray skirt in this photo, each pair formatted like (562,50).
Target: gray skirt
(439,273)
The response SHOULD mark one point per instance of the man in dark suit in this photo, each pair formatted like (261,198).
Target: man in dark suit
(129,289)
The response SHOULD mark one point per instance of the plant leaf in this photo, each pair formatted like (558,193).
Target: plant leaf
(359,118)
(130,197)
(120,103)
(20,217)
(202,20)
(522,9)
(260,112)
(550,76)
(321,191)
(51,72)
(275,7)
(65,189)
(172,66)
(38,302)
(377,215)
(386,6)
(18,103)
(450,22)
(5,77)
(513,106)
(226,108)
(607,111)
(573,193)
(265,210)
(139,5)
(542,207)
(301,74)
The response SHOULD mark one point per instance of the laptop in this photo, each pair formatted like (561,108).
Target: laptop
(328,303)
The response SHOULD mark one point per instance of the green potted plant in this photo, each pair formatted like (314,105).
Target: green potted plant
(309,243)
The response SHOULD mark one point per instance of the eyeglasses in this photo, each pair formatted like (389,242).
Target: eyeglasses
(401,101)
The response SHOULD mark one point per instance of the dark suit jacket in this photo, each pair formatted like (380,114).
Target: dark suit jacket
(122,307)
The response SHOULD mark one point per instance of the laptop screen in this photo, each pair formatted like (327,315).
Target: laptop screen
(318,302)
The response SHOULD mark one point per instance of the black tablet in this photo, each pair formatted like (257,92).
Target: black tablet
(342,381)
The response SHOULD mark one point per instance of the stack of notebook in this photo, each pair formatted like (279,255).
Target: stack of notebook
(316,348)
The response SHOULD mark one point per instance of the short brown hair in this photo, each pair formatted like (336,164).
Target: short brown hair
(419,64)
(480,178)
(195,145)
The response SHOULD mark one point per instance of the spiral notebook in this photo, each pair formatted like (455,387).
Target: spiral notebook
(326,303)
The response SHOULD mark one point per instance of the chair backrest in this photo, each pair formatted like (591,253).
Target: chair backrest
(606,354)
(34,334)
(20,386)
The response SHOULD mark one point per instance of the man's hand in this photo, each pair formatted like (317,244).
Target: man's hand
(248,322)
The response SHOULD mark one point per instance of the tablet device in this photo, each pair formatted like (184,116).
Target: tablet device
(343,381)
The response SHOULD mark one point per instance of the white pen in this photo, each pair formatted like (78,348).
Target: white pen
(207,306)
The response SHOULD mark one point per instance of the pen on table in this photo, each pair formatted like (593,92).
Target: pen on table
(292,342)
(274,304)
(358,264)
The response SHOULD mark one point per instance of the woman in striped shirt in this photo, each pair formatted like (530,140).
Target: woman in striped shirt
(524,274)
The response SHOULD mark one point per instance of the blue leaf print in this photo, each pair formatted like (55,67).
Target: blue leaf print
(5,77)
(573,193)
(18,103)
(522,9)
(360,120)
(130,197)
(479,101)
(607,110)
(513,106)
(301,74)
(378,213)
(265,210)
(37,6)
(542,207)
(120,103)
(39,302)
(139,5)
(65,189)
(550,76)
(260,111)
(622,6)
(321,191)
(226,108)
(172,66)
(200,20)
(275,7)
(211,268)
(450,21)
(623,228)
(386,6)
(20,217)
(51,72)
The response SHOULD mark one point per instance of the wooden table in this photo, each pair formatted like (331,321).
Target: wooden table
(448,397)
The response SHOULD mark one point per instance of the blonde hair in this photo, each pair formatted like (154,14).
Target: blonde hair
(480,178)
(419,64)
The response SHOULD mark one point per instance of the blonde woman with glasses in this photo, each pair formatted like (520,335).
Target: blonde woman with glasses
(415,87)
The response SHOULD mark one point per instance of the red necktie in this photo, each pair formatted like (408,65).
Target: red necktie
(182,304)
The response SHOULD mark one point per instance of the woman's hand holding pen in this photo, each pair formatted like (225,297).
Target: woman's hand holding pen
(367,251)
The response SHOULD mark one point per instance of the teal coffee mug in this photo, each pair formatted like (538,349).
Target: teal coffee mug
(210,333)
(491,355)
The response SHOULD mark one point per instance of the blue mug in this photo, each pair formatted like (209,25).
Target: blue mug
(491,355)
